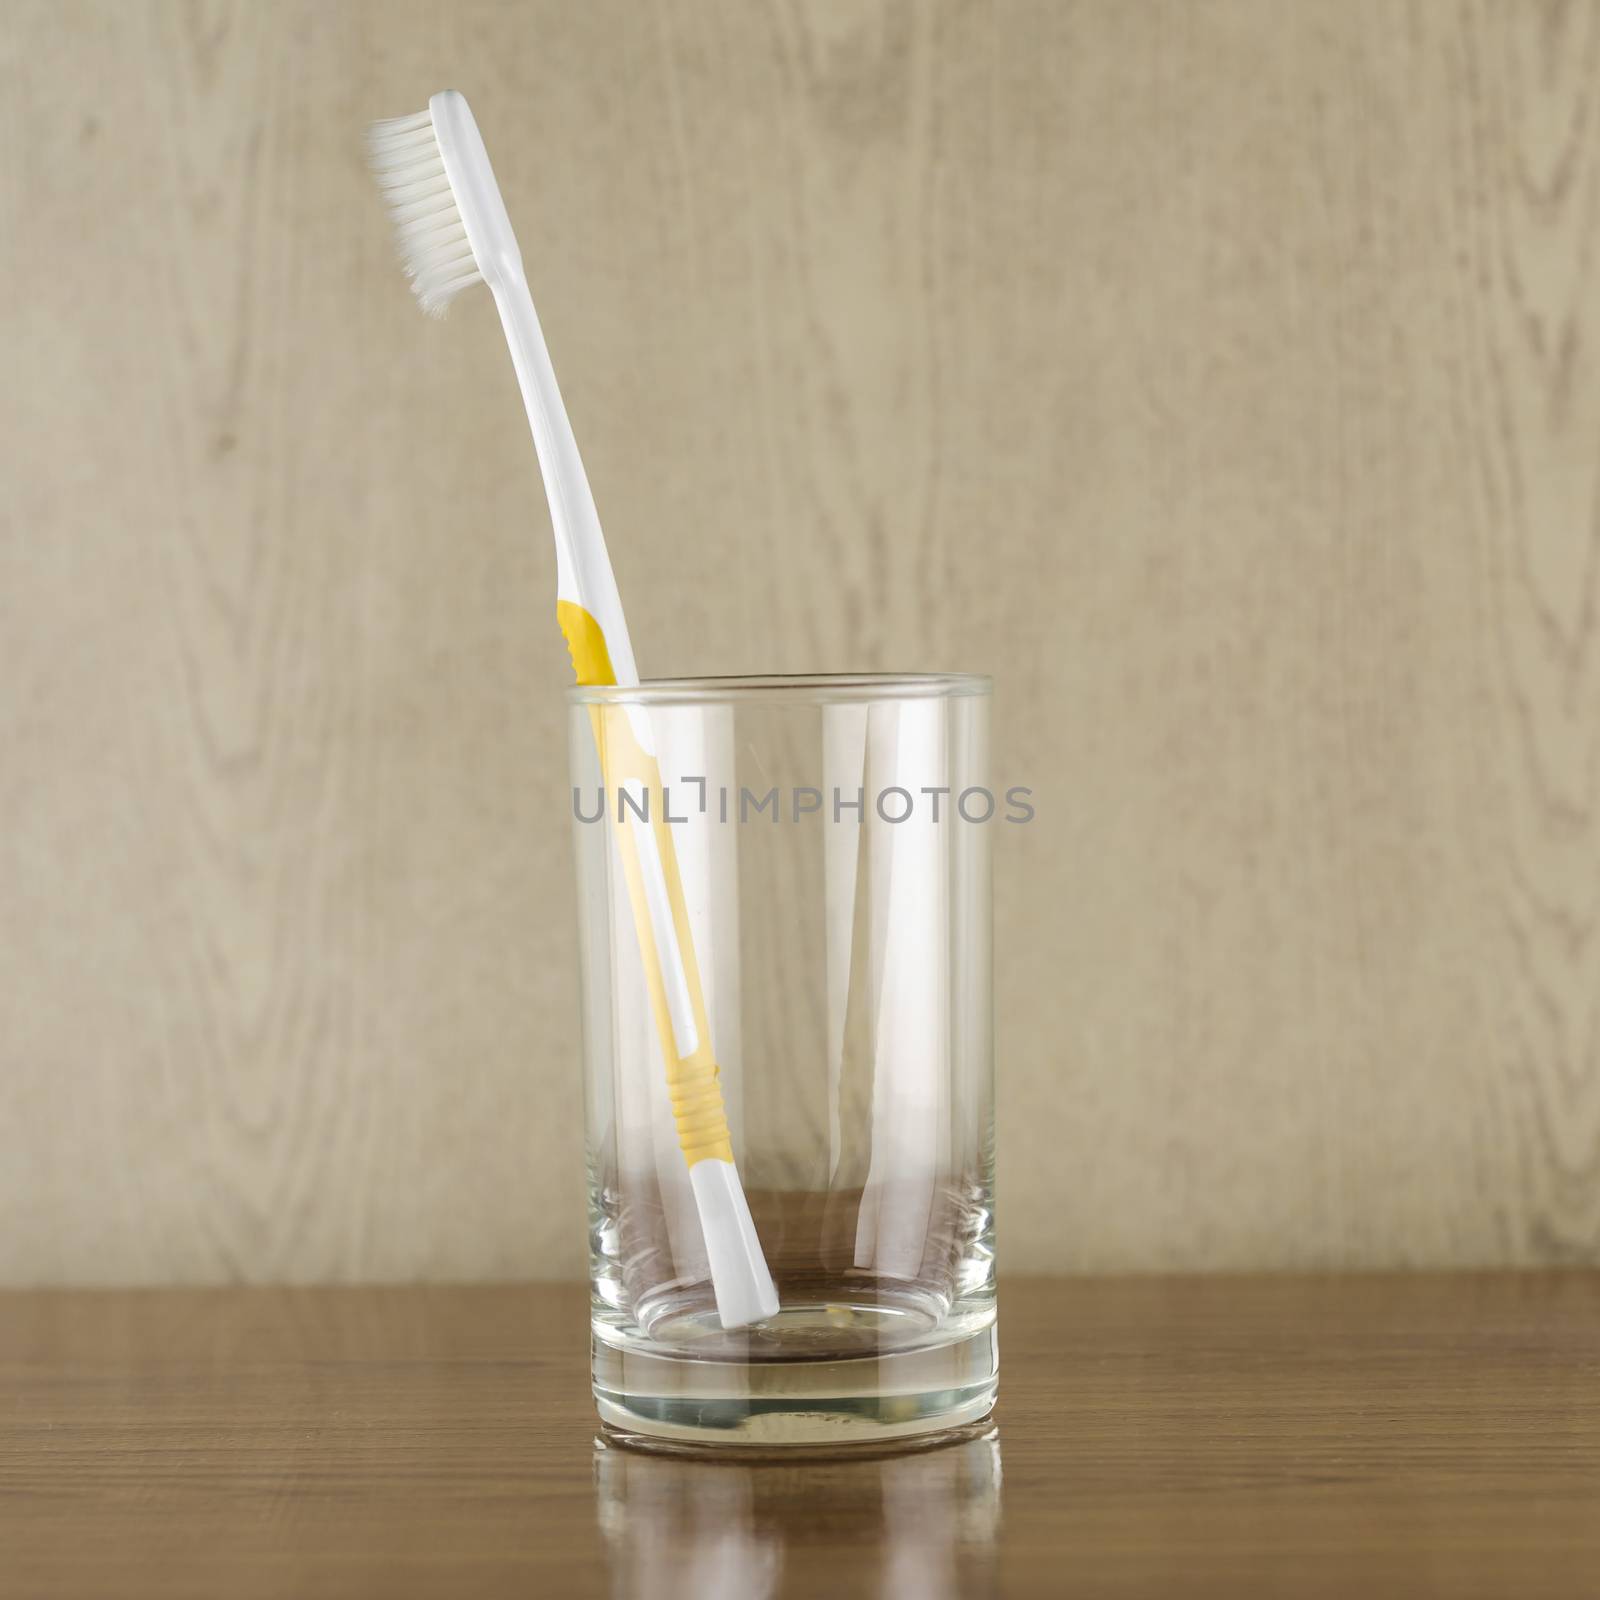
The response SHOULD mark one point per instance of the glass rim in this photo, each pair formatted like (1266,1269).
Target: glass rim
(816,688)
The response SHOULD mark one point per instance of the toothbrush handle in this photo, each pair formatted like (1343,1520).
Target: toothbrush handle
(584,578)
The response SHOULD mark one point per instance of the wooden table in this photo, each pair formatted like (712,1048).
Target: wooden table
(1360,1436)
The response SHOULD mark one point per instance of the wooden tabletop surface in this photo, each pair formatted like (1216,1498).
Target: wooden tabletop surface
(1219,1436)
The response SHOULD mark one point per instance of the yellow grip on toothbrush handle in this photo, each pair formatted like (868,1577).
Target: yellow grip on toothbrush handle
(586,644)
(693,1081)
(695,1088)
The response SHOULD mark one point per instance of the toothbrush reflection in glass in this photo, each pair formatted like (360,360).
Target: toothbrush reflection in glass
(453,233)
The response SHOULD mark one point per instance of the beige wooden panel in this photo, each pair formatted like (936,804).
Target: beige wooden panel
(1222,376)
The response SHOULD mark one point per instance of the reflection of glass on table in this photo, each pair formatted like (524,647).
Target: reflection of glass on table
(924,1522)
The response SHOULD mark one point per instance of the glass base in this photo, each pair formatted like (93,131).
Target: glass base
(778,1401)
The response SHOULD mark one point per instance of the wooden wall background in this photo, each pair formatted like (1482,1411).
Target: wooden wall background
(1224,376)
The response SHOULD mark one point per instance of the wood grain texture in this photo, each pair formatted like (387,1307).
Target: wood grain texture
(1376,1435)
(1222,377)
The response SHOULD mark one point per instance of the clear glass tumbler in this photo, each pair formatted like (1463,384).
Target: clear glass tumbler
(821,847)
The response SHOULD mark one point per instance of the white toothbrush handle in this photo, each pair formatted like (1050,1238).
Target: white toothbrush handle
(583,568)
(586,586)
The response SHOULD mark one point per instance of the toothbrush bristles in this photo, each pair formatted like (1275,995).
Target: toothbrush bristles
(432,240)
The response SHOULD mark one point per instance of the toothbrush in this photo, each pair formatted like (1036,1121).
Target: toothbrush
(453,233)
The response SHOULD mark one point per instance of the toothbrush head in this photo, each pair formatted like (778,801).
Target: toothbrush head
(450,223)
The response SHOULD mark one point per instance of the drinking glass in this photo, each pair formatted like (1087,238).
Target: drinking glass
(832,836)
